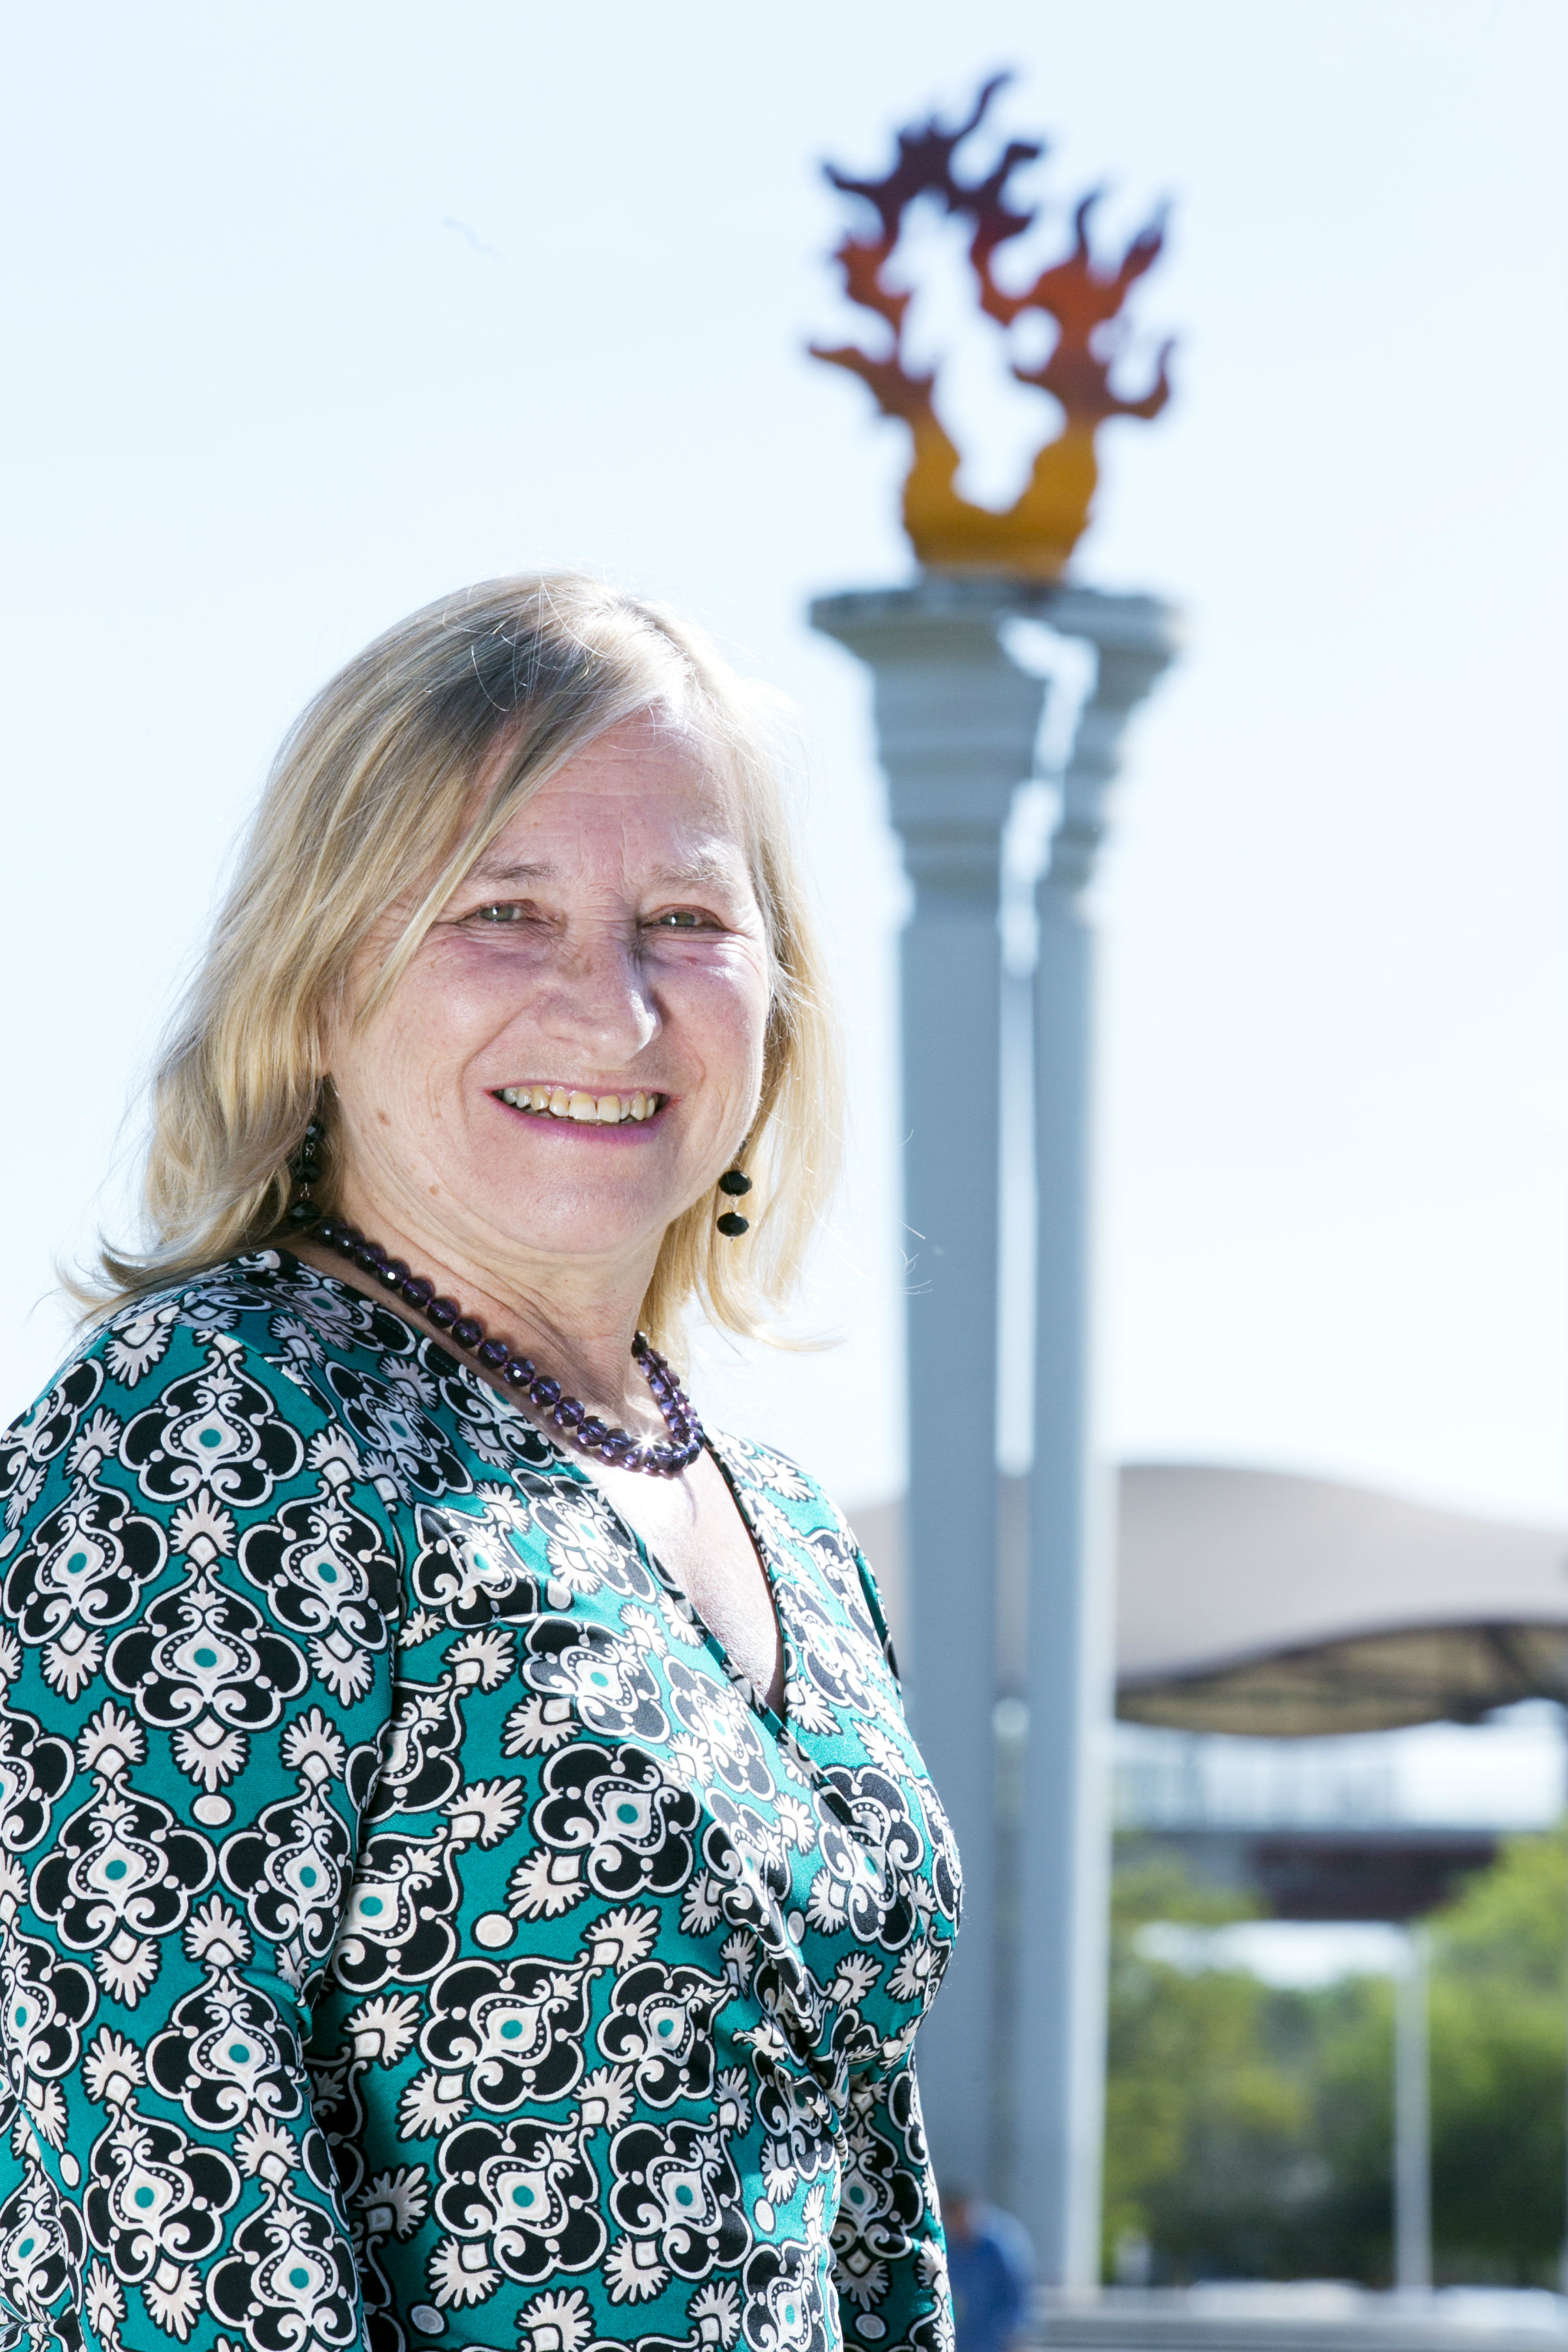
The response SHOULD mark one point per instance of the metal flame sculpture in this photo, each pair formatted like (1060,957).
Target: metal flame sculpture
(1036,536)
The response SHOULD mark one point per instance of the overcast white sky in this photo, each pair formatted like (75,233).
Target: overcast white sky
(316,311)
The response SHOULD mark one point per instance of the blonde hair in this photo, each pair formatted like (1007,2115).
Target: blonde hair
(373,796)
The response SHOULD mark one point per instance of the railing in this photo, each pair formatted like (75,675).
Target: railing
(1186,1782)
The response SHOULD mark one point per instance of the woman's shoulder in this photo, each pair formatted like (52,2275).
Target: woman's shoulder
(795,1512)
(762,1467)
(117,1391)
(251,1307)
(229,1361)
(253,1374)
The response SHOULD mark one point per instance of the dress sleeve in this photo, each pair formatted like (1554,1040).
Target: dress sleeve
(890,2267)
(199,1595)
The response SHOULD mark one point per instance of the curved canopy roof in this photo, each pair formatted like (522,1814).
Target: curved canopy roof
(1255,1601)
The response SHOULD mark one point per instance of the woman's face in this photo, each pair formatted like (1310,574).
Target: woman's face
(574,1053)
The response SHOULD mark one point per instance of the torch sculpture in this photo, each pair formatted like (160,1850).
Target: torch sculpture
(1013,2060)
(1034,537)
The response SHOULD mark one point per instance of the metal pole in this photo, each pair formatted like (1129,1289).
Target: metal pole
(1412,2122)
(956,723)
(1065,1847)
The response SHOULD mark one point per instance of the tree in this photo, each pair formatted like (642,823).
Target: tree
(1499,2041)
(1249,2130)
(1205,2130)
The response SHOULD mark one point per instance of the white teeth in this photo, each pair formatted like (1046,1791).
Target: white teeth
(601,1111)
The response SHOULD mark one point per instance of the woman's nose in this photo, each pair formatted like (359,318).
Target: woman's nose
(595,998)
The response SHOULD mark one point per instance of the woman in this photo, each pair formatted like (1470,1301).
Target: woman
(467,1880)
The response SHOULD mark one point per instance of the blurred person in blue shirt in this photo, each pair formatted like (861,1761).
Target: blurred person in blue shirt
(991,2270)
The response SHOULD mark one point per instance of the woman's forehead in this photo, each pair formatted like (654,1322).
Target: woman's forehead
(655,799)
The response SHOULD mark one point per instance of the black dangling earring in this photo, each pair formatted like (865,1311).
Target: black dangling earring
(305,1167)
(732,1225)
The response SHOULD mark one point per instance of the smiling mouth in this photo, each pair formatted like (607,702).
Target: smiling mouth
(590,1110)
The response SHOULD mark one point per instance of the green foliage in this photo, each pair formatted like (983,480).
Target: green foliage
(1499,2023)
(1206,2130)
(1248,2129)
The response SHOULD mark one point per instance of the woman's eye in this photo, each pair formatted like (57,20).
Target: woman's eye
(498,914)
(680,919)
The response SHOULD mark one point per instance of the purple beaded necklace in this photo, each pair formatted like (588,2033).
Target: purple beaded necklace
(584,1430)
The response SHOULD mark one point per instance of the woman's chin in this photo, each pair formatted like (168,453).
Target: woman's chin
(583,1229)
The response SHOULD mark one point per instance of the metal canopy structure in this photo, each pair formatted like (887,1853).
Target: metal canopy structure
(1258,1602)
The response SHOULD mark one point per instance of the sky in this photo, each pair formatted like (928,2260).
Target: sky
(319,311)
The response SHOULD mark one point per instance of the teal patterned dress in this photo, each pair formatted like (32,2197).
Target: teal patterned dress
(413,1931)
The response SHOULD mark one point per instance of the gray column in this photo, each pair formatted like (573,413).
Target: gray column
(1065,1842)
(956,723)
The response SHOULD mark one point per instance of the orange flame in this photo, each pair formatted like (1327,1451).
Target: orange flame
(1037,535)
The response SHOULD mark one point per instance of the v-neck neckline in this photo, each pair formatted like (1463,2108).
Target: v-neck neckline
(777,1720)
(579,1474)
